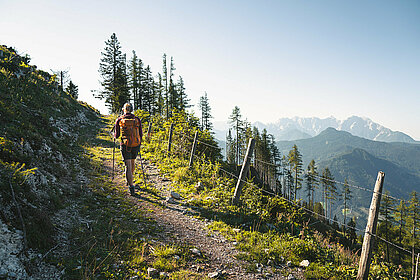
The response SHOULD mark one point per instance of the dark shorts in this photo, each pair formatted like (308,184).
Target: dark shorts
(129,152)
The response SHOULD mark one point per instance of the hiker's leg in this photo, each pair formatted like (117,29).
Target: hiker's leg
(133,166)
(128,172)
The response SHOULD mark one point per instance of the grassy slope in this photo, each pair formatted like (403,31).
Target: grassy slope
(268,230)
(53,151)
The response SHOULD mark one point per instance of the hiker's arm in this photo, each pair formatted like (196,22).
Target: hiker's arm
(117,129)
(140,130)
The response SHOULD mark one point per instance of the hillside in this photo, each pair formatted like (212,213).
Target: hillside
(359,160)
(66,213)
(289,129)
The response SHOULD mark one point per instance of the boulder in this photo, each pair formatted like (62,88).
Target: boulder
(175,195)
(152,272)
(304,263)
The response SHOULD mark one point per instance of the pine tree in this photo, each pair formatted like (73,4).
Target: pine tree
(413,218)
(72,90)
(346,196)
(165,85)
(400,216)
(134,80)
(385,225)
(235,120)
(173,94)
(351,231)
(295,160)
(159,102)
(114,77)
(230,150)
(148,90)
(329,190)
(311,182)
(276,160)
(183,98)
(205,113)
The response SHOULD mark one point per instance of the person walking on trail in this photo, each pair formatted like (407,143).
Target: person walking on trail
(128,126)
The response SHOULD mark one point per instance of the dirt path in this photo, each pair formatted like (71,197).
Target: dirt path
(178,226)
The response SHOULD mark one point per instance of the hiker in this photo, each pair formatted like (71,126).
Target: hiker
(129,127)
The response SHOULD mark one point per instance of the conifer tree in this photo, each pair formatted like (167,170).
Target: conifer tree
(165,85)
(182,96)
(346,195)
(400,216)
(230,150)
(329,189)
(173,94)
(236,121)
(311,182)
(148,89)
(413,218)
(135,69)
(114,77)
(385,225)
(295,160)
(351,231)
(72,90)
(205,113)
(159,102)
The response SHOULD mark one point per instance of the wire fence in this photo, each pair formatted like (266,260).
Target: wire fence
(184,135)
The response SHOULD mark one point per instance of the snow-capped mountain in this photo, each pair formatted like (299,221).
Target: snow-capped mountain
(301,128)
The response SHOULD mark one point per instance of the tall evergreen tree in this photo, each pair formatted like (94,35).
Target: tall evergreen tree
(311,182)
(230,150)
(329,189)
(346,196)
(72,90)
(159,103)
(165,84)
(236,121)
(134,80)
(183,98)
(400,216)
(205,113)
(295,160)
(148,90)
(173,94)
(114,77)
(386,223)
(413,218)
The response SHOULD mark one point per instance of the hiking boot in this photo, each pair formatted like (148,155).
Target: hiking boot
(132,191)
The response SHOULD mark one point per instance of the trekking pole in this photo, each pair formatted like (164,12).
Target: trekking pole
(142,169)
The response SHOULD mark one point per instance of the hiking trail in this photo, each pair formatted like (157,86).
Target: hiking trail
(178,225)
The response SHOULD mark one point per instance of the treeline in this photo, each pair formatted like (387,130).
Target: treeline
(286,176)
(132,81)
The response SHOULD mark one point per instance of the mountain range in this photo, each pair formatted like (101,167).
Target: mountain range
(289,129)
(358,160)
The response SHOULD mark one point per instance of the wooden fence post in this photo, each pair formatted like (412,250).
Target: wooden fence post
(171,129)
(368,240)
(244,171)
(193,149)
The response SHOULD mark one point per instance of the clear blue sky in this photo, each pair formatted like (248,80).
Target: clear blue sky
(273,59)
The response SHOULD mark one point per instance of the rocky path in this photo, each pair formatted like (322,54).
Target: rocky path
(178,225)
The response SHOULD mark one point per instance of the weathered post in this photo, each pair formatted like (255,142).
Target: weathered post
(193,149)
(171,129)
(244,171)
(368,240)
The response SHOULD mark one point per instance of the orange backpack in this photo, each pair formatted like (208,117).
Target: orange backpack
(130,132)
